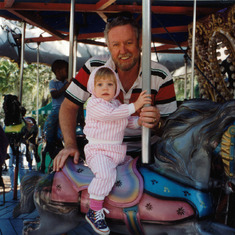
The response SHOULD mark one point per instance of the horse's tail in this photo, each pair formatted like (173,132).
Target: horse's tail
(28,183)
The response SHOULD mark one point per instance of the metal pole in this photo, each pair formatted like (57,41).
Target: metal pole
(20,99)
(22,61)
(75,56)
(16,149)
(185,78)
(146,71)
(37,82)
(71,38)
(193,47)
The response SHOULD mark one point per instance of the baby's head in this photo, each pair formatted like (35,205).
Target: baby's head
(101,77)
(105,73)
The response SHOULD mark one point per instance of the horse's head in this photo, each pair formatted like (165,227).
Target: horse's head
(190,137)
(12,109)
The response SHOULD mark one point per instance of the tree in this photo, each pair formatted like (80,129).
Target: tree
(9,84)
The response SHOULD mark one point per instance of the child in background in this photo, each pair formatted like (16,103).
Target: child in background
(106,120)
(57,87)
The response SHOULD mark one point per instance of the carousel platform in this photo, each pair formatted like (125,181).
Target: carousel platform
(8,224)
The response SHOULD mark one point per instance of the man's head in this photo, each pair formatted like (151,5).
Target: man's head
(123,37)
(121,19)
(60,69)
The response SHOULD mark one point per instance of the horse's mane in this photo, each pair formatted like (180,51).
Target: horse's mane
(212,118)
(191,133)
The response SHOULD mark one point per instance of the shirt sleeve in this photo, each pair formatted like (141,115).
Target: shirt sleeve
(133,122)
(162,83)
(77,90)
(52,86)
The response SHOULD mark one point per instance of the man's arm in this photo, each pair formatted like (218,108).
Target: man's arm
(67,118)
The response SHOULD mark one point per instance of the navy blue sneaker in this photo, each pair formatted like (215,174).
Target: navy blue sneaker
(97,221)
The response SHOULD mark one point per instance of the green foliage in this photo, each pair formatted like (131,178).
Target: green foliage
(10,84)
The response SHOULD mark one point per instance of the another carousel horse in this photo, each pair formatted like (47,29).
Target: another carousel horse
(17,127)
(19,130)
(177,194)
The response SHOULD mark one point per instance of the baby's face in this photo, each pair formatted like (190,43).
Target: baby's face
(105,89)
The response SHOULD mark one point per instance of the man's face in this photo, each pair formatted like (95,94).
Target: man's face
(124,47)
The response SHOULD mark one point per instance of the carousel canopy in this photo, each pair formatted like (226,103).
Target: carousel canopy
(170,20)
(90,16)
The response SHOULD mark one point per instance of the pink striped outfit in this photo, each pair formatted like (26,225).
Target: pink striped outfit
(104,130)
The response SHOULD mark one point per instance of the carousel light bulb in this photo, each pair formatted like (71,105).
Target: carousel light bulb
(232,68)
(222,68)
(229,60)
(223,93)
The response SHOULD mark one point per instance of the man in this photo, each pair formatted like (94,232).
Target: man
(123,38)
(12,163)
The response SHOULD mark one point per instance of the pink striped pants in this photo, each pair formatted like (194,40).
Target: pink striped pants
(103,159)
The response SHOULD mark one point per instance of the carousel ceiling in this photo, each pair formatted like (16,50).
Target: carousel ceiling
(170,19)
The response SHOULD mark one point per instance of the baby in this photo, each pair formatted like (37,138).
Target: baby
(106,120)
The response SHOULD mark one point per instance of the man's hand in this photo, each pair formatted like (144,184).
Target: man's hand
(62,156)
(149,117)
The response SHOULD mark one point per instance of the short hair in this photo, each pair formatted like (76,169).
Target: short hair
(120,19)
(105,73)
(58,64)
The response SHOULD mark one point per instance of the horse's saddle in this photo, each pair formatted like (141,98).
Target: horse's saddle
(126,192)
(125,202)
(14,128)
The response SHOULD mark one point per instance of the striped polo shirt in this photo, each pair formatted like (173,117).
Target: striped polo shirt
(162,87)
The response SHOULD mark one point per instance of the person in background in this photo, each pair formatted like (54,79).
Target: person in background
(106,120)
(3,152)
(123,38)
(12,163)
(57,87)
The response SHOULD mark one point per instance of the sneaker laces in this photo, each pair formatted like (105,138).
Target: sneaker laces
(99,215)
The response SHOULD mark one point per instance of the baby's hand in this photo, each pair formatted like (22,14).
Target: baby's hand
(142,100)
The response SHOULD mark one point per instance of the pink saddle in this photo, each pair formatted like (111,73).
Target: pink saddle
(125,202)
(72,179)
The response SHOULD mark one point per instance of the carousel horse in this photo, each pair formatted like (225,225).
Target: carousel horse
(177,194)
(19,129)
